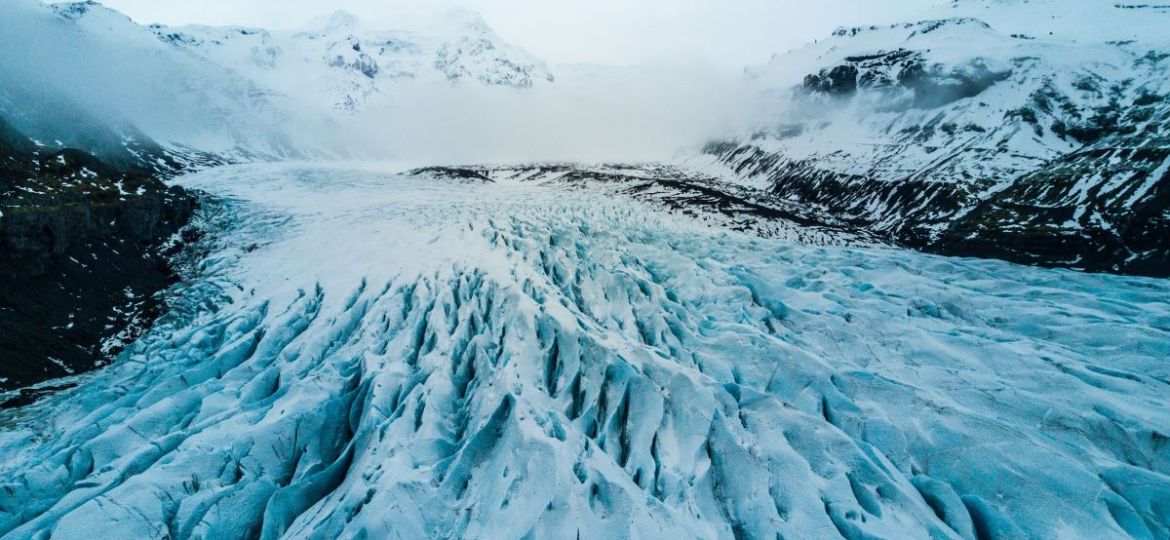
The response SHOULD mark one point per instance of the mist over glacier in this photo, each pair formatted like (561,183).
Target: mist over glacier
(589,115)
(80,75)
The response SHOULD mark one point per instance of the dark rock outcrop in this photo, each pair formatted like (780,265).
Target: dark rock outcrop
(1118,222)
(838,81)
(81,257)
(905,78)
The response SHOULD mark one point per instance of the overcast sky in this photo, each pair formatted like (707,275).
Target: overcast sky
(724,32)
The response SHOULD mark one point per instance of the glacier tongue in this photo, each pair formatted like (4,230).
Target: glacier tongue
(369,355)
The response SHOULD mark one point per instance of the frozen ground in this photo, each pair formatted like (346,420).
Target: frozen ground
(366,355)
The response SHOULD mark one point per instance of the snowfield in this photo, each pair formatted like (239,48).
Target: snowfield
(366,354)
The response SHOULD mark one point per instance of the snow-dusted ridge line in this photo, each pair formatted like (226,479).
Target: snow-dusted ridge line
(338,62)
(1031,131)
(587,364)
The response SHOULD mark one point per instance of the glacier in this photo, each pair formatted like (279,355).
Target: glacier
(363,353)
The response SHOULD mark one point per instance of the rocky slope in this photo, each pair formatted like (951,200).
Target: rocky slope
(81,257)
(1038,135)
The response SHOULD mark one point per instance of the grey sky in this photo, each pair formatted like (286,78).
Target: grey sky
(731,33)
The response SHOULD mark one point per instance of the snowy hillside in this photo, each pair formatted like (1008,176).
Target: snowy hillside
(80,75)
(1028,130)
(341,63)
(136,94)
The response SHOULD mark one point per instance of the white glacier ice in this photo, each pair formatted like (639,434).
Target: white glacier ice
(365,354)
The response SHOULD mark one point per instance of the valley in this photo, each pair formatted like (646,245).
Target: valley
(333,368)
(384,279)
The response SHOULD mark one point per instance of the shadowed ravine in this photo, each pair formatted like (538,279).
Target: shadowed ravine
(368,355)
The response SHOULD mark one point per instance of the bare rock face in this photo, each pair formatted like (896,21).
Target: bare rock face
(80,256)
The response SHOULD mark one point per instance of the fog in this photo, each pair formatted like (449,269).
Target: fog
(88,88)
(91,86)
(606,115)
(55,78)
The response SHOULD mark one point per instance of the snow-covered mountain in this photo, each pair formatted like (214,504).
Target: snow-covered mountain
(1031,130)
(80,75)
(136,94)
(341,62)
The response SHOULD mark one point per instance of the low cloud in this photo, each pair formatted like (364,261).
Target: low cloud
(597,114)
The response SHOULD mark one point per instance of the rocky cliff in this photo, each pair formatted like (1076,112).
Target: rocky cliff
(81,256)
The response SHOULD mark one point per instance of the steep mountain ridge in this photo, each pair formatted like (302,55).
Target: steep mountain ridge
(206,95)
(956,136)
(343,63)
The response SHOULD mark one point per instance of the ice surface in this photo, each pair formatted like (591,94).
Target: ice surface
(369,355)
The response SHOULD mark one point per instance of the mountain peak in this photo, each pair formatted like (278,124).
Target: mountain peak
(466,18)
(339,19)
